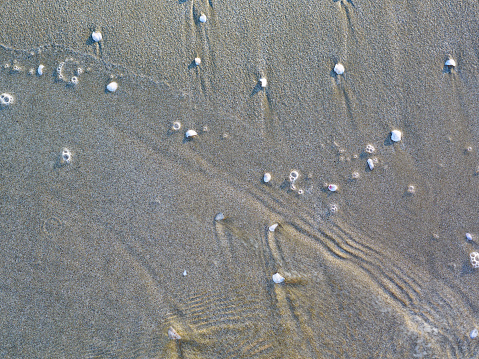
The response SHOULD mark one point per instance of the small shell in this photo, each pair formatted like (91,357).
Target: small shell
(197,61)
(450,62)
(66,156)
(469,236)
(332,187)
(263,82)
(278,278)
(40,70)
(267,177)
(96,36)
(6,99)
(112,86)
(293,176)
(369,149)
(172,334)
(370,163)
(219,217)
(339,69)
(474,257)
(176,126)
(396,135)
(273,227)
(474,333)
(185,273)
(203,18)
(191,134)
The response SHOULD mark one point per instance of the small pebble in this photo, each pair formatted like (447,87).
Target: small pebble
(396,135)
(197,61)
(474,333)
(469,236)
(332,187)
(203,18)
(172,334)
(293,176)
(96,36)
(278,278)
(450,63)
(339,69)
(266,177)
(219,217)
(112,86)
(191,134)
(273,227)
(263,82)
(370,164)
(184,273)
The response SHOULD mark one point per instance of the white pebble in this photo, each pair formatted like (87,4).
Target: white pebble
(370,164)
(469,236)
(6,99)
(40,70)
(112,86)
(339,69)
(396,135)
(184,273)
(474,333)
(203,18)
(197,61)
(273,227)
(219,217)
(267,177)
(263,82)
(96,36)
(278,278)
(191,134)
(474,256)
(450,62)
(332,187)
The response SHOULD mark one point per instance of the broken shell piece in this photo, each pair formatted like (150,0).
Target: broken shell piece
(172,334)
(370,164)
(469,236)
(278,278)
(219,217)
(185,273)
(176,126)
(66,156)
(197,61)
(339,69)
(293,176)
(273,227)
(474,256)
(40,70)
(332,187)
(396,135)
(450,62)
(266,177)
(474,333)
(112,86)
(6,99)
(191,134)
(263,82)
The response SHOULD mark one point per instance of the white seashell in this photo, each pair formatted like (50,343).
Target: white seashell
(293,176)
(474,256)
(40,70)
(203,18)
(450,62)
(66,156)
(112,86)
(278,278)
(469,236)
(273,227)
(369,149)
(219,217)
(267,177)
(370,164)
(332,187)
(176,126)
(396,135)
(191,134)
(197,61)
(339,69)
(184,273)
(96,36)
(6,99)
(474,333)
(74,80)
(263,82)
(172,334)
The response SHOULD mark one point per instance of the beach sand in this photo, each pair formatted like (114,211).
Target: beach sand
(93,252)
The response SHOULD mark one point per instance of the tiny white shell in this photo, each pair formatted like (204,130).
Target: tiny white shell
(332,187)
(273,227)
(263,82)
(185,273)
(293,176)
(197,61)
(469,236)
(176,126)
(191,133)
(40,70)
(112,86)
(172,334)
(203,18)
(339,69)
(66,156)
(219,217)
(278,278)
(474,333)
(6,99)
(96,36)
(450,62)
(396,135)
(370,164)
(267,177)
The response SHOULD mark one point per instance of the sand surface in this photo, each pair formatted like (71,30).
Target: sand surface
(93,252)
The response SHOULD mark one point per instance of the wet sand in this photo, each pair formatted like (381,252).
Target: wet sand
(93,251)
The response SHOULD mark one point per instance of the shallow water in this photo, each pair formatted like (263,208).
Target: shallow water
(93,251)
